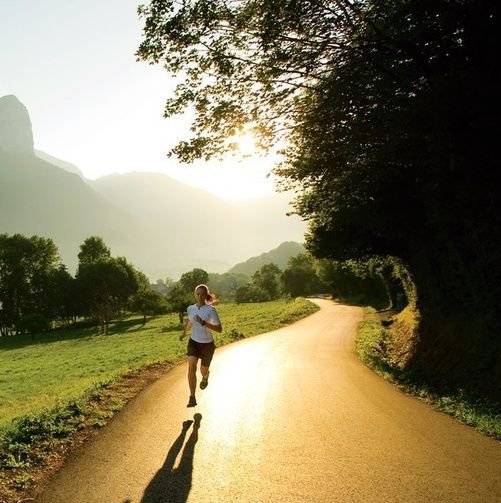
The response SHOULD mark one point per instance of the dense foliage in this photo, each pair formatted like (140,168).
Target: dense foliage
(37,293)
(300,278)
(389,111)
(30,276)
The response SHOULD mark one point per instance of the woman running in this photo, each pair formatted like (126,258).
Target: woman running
(203,319)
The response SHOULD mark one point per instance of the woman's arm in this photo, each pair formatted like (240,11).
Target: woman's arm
(216,327)
(187,326)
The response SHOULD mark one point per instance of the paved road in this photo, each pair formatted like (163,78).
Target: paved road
(289,417)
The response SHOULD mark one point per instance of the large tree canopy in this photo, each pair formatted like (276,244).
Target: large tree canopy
(386,106)
(388,113)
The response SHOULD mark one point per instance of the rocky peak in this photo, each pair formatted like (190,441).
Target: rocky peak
(16,135)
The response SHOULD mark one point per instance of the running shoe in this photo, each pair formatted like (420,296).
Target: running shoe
(204,382)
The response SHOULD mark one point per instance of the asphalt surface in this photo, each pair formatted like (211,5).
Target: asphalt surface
(289,416)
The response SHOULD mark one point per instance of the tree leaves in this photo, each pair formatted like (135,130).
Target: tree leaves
(239,63)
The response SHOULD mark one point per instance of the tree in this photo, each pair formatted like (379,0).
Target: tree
(267,279)
(251,293)
(179,300)
(360,282)
(104,283)
(163,286)
(105,286)
(26,265)
(300,277)
(226,284)
(189,280)
(388,108)
(93,249)
(242,64)
(62,298)
(148,302)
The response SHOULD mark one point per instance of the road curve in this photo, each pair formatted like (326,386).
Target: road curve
(289,417)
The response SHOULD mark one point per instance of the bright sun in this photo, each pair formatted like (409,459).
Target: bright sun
(241,176)
(246,144)
(239,180)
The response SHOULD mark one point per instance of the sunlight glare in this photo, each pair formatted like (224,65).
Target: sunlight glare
(235,373)
(232,180)
(246,144)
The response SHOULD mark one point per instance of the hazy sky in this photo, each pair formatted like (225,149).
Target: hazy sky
(72,64)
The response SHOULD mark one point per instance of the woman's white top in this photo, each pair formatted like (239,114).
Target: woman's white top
(200,333)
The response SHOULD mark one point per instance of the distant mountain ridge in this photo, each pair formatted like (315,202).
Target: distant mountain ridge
(161,225)
(39,198)
(67,166)
(16,134)
(279,256)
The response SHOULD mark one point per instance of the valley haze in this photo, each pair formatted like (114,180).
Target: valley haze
(161,225)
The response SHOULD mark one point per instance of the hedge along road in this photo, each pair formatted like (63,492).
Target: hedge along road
(289,416)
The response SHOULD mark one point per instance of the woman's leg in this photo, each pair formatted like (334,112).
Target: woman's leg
(207,355)
(192,374)
(204,371)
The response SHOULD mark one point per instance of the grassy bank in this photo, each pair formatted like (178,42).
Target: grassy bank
(374,345)
(56,388)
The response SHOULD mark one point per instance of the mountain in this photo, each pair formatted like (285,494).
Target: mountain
(195,227)
(162,226)
(16,135)
(279,256)
(67,166)
(39,198)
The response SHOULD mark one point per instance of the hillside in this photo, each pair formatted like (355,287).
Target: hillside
(67,166)
(193,228)
(278,256)
(39,198)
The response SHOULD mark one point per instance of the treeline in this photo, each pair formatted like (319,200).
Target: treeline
(264,285)
(369,283)
(375,283)
(37,293)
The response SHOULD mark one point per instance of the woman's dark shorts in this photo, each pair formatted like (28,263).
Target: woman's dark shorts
(202,350)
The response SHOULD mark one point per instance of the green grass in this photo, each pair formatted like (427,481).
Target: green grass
(59,366)
(253,319)
(45,370)
(372,346)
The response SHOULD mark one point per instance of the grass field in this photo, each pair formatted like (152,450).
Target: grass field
(43,370)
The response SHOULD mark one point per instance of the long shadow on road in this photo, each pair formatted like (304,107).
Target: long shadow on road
(173,485)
